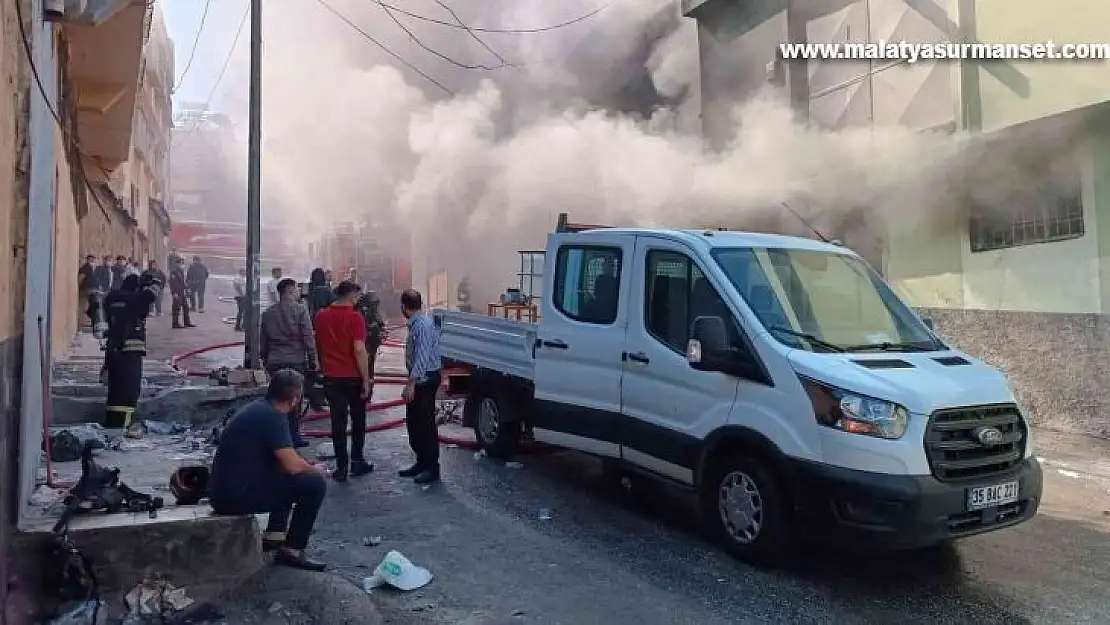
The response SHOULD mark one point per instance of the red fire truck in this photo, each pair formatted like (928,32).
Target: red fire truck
(382,259)
(223,246)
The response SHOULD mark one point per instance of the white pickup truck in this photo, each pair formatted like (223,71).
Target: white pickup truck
(779,377)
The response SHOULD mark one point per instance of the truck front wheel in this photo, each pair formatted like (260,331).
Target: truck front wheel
(743,506)
(496,427)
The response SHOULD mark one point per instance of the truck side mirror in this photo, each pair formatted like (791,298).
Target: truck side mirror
(928,321)
(708,343)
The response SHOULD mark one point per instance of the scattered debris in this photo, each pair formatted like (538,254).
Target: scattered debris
(46,497)
(66,447)
(396,570)
(163,427)
(275,608)
(156,597)
(325,450)
(545,514)
(86,432)
(90,611)
(1067,473)
(370,583)
(372,541)
(480,454)
(513,465)
(518,613)
(423,607)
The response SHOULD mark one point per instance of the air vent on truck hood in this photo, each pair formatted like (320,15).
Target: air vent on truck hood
(884,364)
(952,361)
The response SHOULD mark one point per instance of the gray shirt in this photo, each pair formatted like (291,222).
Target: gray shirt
(287,335)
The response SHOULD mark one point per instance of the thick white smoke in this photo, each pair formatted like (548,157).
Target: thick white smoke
(475,176)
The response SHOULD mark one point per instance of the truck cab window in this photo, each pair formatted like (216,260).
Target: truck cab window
(587,283)
(677,292)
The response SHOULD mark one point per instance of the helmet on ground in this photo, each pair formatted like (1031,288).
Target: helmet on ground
(189,484)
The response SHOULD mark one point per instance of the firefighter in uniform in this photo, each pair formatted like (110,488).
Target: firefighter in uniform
(127,310)
(369,305)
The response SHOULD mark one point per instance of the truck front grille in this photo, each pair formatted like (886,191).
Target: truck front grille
(955,452)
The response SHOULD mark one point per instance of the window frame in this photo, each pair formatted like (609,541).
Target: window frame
(647,285)
(986,227)
(559,279)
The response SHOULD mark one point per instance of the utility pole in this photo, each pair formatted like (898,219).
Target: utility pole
(253,321)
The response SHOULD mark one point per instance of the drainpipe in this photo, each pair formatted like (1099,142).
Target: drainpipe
(42,135)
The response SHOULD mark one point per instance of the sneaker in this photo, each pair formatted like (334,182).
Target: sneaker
(361,467)
(297,561)
(427,477)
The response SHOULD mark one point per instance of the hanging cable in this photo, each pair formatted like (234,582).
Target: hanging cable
(196,42)
(384,47)
(432,50)
(507,31)
(223,69)
(474,35)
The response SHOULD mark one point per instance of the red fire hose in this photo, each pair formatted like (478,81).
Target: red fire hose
(381,378)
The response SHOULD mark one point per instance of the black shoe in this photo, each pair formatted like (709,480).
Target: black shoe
(427,477)
(270,545)
(340,475)
(177,326)
(360,468)
(412,471)
(190,325)
(302,562)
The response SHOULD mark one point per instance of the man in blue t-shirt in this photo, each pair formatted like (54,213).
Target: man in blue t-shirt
(256,470)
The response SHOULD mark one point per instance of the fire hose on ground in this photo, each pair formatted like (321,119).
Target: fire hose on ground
(319,415)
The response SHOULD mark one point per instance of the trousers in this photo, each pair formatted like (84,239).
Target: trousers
(125,381)
(420,419)
(240,310)
(347,405)
(178,307)
(299,496)
(196,296)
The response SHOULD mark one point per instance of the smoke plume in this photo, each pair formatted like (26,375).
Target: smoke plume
(598,119)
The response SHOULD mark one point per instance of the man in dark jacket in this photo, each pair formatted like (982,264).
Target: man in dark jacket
(119,272)
(86,286)
(369,306)
(195,279)
(320,294)
(179,304)
(289,342)
(153,271)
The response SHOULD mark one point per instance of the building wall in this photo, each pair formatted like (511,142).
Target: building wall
(1018,91)
(67,258)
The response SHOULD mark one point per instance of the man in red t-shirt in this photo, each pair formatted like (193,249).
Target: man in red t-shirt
(341,343)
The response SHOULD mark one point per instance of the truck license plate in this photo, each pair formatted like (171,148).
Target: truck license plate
(990,496)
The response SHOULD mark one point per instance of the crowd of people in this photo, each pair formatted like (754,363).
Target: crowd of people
(186,286)
(320,349)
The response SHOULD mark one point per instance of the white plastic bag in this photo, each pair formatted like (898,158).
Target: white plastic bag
(396,570)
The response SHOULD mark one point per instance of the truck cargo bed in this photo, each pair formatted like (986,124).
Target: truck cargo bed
(502,345)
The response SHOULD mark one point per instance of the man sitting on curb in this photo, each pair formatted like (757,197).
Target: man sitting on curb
(256,471)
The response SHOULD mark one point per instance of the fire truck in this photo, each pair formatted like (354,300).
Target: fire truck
(381,258)
(223,246)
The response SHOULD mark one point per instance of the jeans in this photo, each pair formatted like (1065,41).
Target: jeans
(196,296)
(420,419)
(299,495)
(347,404)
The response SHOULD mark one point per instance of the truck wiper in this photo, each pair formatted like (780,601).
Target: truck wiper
(808,337)
(887,346)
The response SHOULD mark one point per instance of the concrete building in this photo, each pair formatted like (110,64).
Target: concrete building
(203,186)
(70,90)
(1015,267)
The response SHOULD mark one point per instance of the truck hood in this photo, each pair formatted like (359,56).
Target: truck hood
(921,382)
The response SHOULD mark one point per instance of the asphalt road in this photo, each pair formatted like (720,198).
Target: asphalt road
(604,557)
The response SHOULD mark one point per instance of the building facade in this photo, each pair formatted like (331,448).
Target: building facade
(69,81)
(203,186)
(1011,261)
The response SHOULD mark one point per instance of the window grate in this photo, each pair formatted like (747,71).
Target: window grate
(1049,219)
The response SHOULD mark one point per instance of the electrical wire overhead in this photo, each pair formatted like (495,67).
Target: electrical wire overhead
(196,42)
(432,50)
(346,20)
(474,35)
(506,31)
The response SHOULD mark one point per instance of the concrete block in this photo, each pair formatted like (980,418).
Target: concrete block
(196,405)
(324,597)
(186,545)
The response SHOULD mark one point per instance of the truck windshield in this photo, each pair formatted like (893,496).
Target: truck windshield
(823,301)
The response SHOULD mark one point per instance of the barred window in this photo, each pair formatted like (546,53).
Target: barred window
(1033,216)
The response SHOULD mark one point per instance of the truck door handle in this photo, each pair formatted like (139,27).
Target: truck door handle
(555,344)
(640,357)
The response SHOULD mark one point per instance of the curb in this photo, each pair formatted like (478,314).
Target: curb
(324,597)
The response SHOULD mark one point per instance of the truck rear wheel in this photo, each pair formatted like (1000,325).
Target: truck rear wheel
(496,426)
(744,508)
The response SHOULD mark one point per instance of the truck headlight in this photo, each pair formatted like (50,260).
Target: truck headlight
(855,413)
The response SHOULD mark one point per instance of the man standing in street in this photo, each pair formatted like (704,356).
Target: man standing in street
(369,305)
(271,287)
(127,310)
(86,286)
(423,361)
(196,279)
(119,272)
(341,334)
(153,271)
(240,286)
(179,304)
(256,471)
(288,342)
